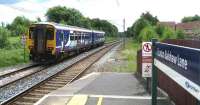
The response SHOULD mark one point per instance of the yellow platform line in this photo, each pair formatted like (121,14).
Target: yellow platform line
(100,101)
(78,100)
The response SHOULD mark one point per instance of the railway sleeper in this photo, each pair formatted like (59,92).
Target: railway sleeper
(36,94)
(22,103)
(53,85)
(60,77)
(30,99)
(42,91)
(57,82)
(64,75)
(48,87)
(60,80)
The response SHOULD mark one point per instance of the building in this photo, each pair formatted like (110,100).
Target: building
(191,29)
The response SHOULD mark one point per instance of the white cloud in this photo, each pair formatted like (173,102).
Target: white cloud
(111,10)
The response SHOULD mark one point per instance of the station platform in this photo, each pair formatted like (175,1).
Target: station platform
(102,88)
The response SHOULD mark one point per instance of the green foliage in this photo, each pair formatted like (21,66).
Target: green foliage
(147,34)
(139,25)
(190,19)
(168,33)
(65,15)
(73,17)
(146,28)
(145,20)
(19,26)
(12,57)
(128,56)
(147,16)
(180,34)
(160,29)
(4,33)
(105,26)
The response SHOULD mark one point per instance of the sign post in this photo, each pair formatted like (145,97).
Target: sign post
(154,75)
(146,59)
(23,41)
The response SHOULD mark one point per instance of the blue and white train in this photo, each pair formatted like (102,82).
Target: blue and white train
(52,41)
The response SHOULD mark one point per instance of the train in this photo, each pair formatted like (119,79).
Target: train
(47,41)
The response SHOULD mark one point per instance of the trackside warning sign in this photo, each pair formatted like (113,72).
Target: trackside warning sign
(146,59)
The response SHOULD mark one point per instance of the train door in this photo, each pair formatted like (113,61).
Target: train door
(62,38)
(40,40)
(78,39)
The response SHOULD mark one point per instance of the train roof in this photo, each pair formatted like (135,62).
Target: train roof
(65,27)
(98,31)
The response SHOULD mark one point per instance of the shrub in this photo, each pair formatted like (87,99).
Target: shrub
(168,33)
(147,34)
(4,33)
(180,34)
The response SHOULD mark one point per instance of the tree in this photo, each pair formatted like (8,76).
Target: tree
(104,25)
(147,33)
(70,16)
(150,18)
(138,26)
(190,19)
(4,33)
(19,25)
(73,17)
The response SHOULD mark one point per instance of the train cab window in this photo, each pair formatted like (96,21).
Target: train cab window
(50,34)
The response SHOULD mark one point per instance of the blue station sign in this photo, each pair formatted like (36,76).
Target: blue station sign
(179,61)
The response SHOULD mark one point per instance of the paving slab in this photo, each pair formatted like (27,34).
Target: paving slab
(106,88)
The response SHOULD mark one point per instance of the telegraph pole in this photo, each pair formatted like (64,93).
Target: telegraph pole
(124,33)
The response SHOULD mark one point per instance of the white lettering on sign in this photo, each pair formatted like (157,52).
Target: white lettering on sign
(184,82)
(175,59)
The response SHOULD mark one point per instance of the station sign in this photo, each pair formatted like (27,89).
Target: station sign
(146,59)
(182,64)
(23,39)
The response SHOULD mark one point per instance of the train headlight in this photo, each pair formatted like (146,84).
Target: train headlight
(50,48)
(30,47)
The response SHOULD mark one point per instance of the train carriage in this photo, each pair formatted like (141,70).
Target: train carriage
(51,41)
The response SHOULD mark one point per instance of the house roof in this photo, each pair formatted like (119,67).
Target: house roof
(188,25)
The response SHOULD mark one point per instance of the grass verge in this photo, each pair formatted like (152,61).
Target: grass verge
(128,56)
(13,54)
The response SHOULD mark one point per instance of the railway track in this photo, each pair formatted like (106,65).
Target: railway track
(8,74)
(60,79)
(11,77)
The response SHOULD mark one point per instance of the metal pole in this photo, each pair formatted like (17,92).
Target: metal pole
(24,53)
(124,33)
(154,76)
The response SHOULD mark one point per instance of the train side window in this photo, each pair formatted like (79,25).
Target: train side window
(76,37)
(50,34)
(71,37)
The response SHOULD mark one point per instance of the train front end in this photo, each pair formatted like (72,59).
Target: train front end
(41,42)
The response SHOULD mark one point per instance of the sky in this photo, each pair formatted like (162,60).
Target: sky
(112,10)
